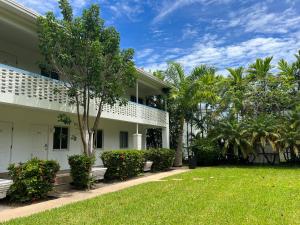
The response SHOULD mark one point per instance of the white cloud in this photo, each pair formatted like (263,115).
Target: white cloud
(258,19)
(40,7)
(144,53)
(211,52)
(170,6)
(52,5)
(189,32)
(127,8)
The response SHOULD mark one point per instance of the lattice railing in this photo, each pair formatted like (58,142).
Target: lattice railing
(31,87)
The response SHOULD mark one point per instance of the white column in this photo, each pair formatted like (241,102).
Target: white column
(165,137)
(137,141)
(137,138)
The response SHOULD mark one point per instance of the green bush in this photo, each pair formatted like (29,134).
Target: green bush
(81,166)
(206,151)
(32,180)
(162,158)
(123,164)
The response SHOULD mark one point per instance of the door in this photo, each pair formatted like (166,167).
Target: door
(40,139)
(5,144)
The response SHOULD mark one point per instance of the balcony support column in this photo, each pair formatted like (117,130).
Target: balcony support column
(165,133)
(137,141)
(137,138)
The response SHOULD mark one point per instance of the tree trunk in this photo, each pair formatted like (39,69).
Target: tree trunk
(90,149)
(178,155)
(267,158)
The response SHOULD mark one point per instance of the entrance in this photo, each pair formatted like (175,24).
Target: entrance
(40,141)
(6,129)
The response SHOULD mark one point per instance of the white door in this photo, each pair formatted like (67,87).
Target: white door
(39,134)
(5,144)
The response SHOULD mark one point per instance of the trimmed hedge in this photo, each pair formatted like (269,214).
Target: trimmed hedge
(81,166)
(162,158)
(123,164)
(206,151)
(32,179)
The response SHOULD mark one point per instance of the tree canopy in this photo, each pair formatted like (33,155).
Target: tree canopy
(88,59)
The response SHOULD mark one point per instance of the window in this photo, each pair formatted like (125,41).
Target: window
(61,138)
(99,139)
(123,139)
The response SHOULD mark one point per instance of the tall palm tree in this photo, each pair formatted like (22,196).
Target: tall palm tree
(234,95)
(260,89)
(185,96)
(286,70)
(261,69)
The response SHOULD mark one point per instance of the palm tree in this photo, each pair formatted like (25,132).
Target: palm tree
(260,70)
(263,131)
(290,72)
(234,95)
(185,96)
(286,70)
(234,138)
(236,76)
(289,140)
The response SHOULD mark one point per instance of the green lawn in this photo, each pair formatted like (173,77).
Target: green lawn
(219,195)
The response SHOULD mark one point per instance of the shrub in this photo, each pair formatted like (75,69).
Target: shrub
(162,158)
(206,151)
(32,180)
(123,164)
(81,166)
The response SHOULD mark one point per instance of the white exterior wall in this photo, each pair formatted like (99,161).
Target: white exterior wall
(24,140)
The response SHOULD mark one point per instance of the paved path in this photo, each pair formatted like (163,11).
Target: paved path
(8,214)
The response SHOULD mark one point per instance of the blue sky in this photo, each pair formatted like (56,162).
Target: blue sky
(221,33)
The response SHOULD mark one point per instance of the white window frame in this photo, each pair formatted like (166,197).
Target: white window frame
(102,137)
(120,139)
(68,139)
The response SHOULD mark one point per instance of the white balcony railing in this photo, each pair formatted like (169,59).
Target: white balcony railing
(28,89)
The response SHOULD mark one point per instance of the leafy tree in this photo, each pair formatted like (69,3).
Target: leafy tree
(88,58)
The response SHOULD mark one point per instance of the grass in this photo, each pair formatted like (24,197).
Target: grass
(217,195)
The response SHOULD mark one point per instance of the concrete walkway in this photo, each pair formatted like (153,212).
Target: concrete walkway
(8,214)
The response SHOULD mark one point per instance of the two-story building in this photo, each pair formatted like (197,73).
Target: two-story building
(29,106)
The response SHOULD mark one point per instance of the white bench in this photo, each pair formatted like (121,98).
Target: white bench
(98,173)
(4,186)
(147,166)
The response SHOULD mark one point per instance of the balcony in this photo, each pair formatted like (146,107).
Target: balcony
(24,88)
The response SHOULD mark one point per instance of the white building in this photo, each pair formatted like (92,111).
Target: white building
(29,108)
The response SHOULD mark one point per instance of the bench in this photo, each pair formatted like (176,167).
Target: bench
(4,186)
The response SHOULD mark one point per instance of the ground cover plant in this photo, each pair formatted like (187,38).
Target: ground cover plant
(209,195)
